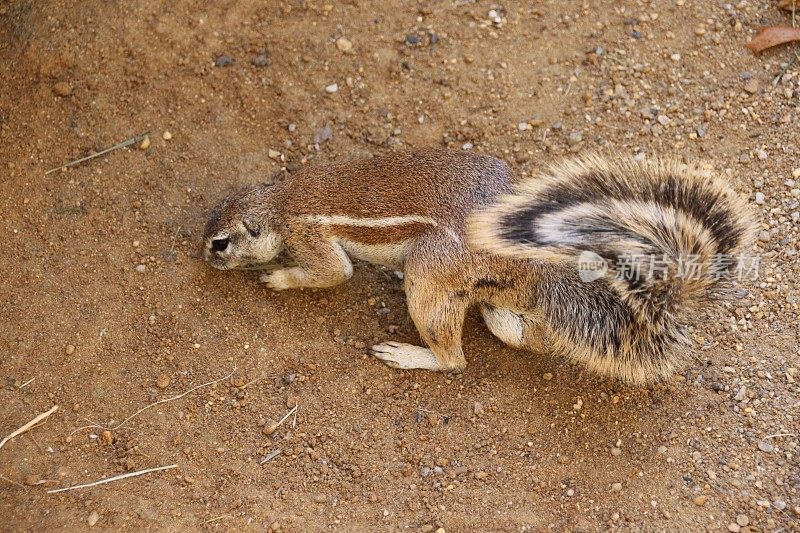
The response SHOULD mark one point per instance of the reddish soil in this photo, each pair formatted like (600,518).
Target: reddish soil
(519,442)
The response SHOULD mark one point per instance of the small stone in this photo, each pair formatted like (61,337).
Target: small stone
(319,498)
(481,475)
(762,155)
(145,144)
(742,520)
(141,269)
(616,487)
(425,471)
(166,136)
(779,505)
(94,517)
(547,376)
(477,408)
(344,45)
(522,126)
(616,452)
(733,527)
(675,57)
(260,60)
(62,89)
(412,39)
(700,500)
(223,61)
(269,427)
(324,134)
(70,349)
(574,138)
(765,447)
(273,154)
(163,381)
(106,437)
(796,173)
(760,198)
(332,88)
(751,86)
(570,493)
(663,120)
(741,394)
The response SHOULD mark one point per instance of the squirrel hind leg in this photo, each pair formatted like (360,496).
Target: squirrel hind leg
(438,308)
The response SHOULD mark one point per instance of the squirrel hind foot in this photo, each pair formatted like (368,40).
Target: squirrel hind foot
(405,356)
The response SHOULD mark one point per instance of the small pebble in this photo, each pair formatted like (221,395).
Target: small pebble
(760,198)
(522,126)
(166,136)
(141,269)
(145,144)
(616,487)
(223,61)
(62,89)
(765,447)
(751,86)
(106,437)
(269,427)
(273,154)
(319,498)
(742,520)
(413,39)
(663,120)
(163,381)
(733,527)
(762,155)
(260,60)
(741,394)
(547,376)
(779,505)
(700,500)
(70,349)
(616,452)
(332,88)
(94,517)
(344,45)
(477,408)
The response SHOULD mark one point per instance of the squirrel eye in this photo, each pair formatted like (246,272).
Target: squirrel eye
(251,226)
(219,245)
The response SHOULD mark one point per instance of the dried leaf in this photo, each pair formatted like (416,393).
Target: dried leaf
(770,36)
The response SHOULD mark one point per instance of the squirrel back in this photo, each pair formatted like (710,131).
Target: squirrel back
(622,250)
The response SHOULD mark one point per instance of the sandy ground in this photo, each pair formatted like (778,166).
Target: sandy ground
(106,307)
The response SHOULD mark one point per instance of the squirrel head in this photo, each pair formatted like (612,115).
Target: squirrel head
(239,233)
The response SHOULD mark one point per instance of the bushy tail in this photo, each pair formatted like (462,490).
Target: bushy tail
(657,237)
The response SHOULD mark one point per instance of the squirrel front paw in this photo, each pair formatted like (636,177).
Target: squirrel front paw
(279,280)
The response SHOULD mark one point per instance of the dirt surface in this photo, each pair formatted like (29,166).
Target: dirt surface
(106,307)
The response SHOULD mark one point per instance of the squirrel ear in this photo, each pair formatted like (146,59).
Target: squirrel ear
(251,226)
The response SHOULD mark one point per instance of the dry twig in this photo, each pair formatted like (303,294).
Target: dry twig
(115,478)
(29,425)
(146,407)
(123,144)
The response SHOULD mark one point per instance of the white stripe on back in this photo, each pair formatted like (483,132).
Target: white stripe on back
(370,222)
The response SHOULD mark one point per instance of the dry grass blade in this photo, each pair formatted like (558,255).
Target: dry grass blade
(115,478)
(29,425)
(770,36)
(123,144)
(270,456)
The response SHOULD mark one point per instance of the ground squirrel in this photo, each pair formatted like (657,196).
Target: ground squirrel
(543,261)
